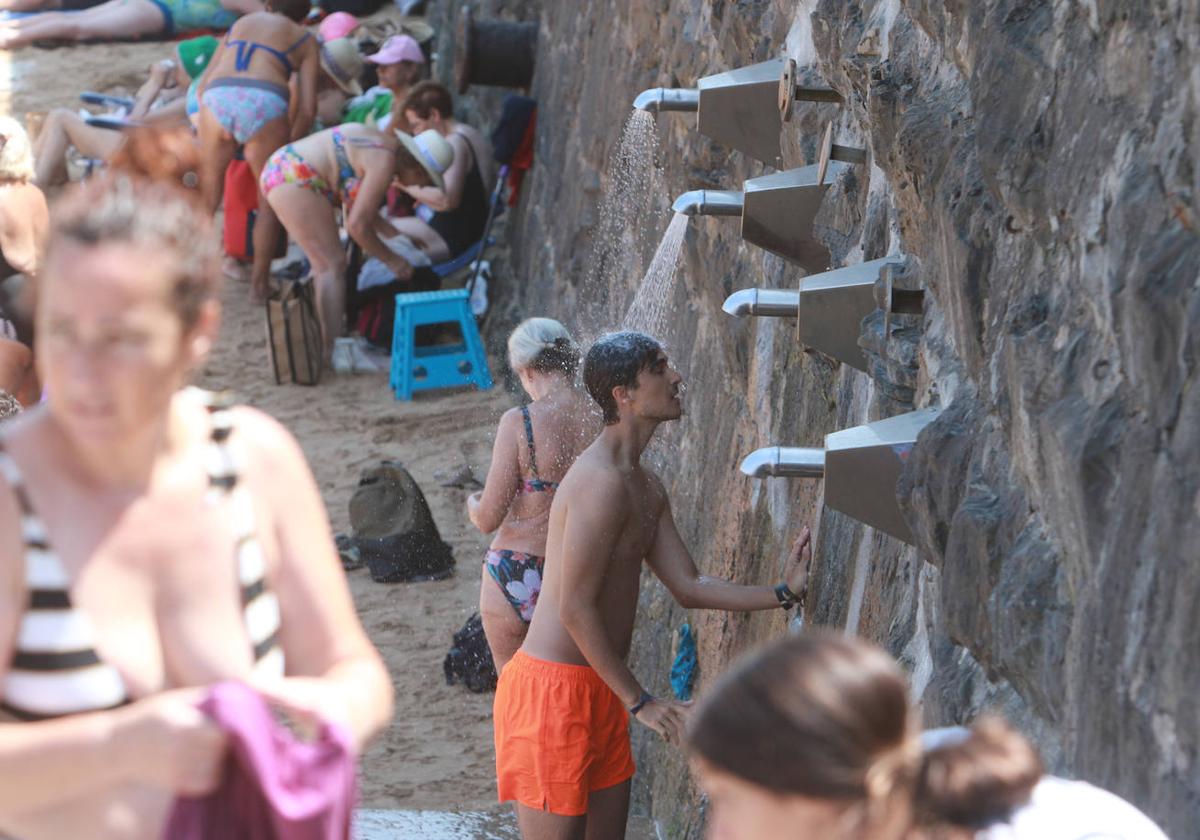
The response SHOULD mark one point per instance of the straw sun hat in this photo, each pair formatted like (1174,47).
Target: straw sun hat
(341,59)
(432,151)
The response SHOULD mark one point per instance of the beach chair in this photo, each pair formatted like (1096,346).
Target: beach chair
(113,121)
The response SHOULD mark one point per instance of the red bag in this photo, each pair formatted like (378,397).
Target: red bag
(241,208)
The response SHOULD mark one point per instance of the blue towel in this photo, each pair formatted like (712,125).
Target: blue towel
(683,672)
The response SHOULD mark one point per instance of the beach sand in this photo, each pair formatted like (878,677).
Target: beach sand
(438,752)
(437,755)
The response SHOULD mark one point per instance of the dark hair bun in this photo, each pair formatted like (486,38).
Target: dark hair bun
(978,780)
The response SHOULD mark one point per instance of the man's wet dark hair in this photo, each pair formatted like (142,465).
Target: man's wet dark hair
(617,359)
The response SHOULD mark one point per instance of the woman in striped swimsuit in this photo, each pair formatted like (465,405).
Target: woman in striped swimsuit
(152,541)
(535,446)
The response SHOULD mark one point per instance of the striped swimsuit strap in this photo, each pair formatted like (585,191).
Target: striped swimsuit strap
(55,670)
(260,607)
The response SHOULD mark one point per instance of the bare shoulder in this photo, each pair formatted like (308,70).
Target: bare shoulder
(592,479)
(509,420)
(270,447)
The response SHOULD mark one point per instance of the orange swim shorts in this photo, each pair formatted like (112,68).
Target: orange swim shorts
(561,733)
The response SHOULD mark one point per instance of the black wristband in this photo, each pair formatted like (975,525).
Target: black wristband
(646,697)
(787,598)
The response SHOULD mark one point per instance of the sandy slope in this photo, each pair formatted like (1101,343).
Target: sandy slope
(438,751)
(437,754)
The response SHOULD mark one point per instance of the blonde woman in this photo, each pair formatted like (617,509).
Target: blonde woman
(152,541)
(535,446)
(24,220)
(24,217)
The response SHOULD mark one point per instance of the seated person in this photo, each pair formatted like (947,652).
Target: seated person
(452,217)
(343,65)
(123,19)
(24,218)
(24,224)
(27,6)
(400,65)
(160,101)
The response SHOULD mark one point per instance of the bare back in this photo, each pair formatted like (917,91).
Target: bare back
(264,46)
(359,141)
(562,426)
(632,502)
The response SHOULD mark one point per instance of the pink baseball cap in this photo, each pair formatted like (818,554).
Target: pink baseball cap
(337,25)
(396,49)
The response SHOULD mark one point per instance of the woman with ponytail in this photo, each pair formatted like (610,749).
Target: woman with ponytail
(813,737)
(535,446)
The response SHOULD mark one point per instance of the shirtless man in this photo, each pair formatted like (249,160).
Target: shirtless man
(563,702)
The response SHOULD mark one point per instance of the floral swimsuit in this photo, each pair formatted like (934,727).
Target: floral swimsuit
(519,574)
(286,166)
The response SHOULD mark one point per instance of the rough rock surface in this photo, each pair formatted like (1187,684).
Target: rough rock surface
(1037,162)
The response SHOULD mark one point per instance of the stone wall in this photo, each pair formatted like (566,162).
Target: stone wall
(1035,162)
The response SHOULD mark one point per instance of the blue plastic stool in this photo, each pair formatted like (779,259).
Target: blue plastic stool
(423,368)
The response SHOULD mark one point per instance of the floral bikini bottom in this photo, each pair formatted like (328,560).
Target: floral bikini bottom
(519,576)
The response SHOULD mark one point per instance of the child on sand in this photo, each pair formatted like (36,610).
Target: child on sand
(563,703)
(535,446)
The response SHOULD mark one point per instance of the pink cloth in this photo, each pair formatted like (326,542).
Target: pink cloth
(274,786)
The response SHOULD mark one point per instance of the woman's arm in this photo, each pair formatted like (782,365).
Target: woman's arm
(488,508)
(360,222)
(168,113)
(305,92)
(333,669)
(164,741)
(160,73)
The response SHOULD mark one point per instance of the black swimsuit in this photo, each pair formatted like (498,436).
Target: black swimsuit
(463,226)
